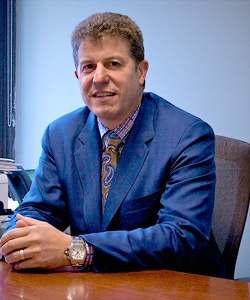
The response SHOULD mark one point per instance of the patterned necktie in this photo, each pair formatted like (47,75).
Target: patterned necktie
(109,162)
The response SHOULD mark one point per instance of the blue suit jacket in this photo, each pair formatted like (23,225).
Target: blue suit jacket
(160,204)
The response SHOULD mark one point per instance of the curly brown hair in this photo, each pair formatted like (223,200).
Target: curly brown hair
(109,24)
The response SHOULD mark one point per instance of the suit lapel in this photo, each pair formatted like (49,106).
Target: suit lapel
(131,161)
(88,161)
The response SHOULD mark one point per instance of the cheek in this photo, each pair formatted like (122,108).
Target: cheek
(84,84)
(83,91)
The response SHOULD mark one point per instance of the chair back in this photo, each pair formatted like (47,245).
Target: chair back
(19,183)
(232,195)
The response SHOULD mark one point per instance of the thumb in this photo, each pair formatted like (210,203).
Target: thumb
(27,220)
(21,223)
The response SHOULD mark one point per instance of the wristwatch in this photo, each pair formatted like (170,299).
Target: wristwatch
(77,252)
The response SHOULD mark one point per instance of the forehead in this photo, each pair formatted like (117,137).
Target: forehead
(103,46)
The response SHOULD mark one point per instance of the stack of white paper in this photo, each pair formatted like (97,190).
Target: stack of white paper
(8,165)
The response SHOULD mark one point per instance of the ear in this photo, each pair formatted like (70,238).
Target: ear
(143,69)
(76,74)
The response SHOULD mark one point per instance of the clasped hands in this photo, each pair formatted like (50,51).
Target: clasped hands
(34,244)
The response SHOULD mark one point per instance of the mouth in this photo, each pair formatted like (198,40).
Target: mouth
(103,94)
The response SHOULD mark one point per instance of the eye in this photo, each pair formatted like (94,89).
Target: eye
(114,64)
(88,68)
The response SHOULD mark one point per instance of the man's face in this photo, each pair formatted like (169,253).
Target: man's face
(110,82)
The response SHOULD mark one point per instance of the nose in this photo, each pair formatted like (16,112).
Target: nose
(100,75)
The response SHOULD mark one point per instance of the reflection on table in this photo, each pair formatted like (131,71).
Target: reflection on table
(161,284)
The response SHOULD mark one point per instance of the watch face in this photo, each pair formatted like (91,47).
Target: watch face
(77,252)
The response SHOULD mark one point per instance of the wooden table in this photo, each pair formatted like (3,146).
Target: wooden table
(134,285)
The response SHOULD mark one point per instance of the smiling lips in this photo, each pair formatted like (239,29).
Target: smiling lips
(103,94)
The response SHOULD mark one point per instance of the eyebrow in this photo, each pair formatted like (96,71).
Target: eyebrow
(108,58)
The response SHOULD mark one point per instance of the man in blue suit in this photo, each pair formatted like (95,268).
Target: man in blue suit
(159,207)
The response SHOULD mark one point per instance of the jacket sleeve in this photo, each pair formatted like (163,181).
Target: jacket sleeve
(46,199)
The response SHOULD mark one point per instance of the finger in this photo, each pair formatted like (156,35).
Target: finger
(14,240)
(29,221)
(22,265)
(21,223)
(16,256)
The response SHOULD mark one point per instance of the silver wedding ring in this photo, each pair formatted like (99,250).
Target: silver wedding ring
(21,252)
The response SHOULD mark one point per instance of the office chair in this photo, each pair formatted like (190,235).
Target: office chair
(232,159)
(19,183)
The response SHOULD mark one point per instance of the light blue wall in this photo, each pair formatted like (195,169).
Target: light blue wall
(198,52)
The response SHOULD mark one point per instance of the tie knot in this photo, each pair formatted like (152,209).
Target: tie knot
(112,140)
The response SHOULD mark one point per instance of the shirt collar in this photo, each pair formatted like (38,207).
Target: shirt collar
(123,129)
